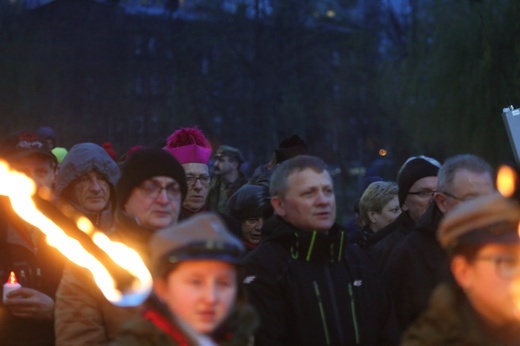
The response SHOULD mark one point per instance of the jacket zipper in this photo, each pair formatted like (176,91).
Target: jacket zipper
(353,311)
(322,312)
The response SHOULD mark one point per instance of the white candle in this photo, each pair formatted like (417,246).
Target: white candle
(11,285)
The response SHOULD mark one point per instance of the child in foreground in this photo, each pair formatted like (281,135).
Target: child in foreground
(482,305)
(198,298)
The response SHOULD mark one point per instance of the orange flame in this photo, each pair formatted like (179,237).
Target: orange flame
(19,188)
(506,181)
(12,279)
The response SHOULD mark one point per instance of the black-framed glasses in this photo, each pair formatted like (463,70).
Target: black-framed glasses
(506,267)
(203,178)
(422,193)
(152,189)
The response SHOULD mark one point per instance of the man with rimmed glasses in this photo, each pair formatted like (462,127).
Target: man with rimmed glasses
(193,151)
(418,263)
(417,182)
(149,197)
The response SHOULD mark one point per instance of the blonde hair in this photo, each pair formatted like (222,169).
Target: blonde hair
(375,197)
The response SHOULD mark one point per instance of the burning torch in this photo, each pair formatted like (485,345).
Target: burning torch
(117,269)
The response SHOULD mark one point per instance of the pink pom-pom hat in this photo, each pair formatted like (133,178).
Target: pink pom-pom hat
(189,145)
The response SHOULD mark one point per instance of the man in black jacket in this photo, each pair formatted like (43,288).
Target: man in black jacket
(308,286)
(417,183)
(419,263)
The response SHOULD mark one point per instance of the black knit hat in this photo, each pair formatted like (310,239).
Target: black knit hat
(290,147)
(413,170)
(144,164)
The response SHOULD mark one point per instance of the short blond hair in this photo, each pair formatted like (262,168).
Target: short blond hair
(375,197)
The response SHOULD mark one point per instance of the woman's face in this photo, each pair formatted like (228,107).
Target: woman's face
(200,293)
(388,214)
(252,229)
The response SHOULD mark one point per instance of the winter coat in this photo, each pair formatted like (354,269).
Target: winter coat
(80,160)
(417,265)
(220,191)
(83,315)
(381,245)
(157,327)
(37,265)
(450,320)
(312,288)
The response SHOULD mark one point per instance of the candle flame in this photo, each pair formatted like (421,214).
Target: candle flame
(12,279)
(19,188)
(506,181)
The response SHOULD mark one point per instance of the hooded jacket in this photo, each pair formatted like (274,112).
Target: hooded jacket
(80,160)
(312,288)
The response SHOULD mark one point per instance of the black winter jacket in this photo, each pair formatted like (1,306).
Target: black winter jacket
(312,288)
(36,265)
(417,265)
(381,245)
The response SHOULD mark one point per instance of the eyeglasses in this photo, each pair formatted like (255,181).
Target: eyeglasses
(203,178)
(506,267)
(152,189)
(460,199)
(423,193)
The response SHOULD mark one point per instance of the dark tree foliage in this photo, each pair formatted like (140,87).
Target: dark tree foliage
(455,68)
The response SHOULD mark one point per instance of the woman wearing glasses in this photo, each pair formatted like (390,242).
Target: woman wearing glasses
(482,306)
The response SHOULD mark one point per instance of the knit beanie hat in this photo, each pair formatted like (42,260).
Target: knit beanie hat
(290,147)
(144,164)
(189,145)
(415,168)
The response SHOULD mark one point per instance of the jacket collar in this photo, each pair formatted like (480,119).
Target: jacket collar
(310,246)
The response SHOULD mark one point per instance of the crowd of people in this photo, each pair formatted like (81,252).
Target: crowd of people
(432,259)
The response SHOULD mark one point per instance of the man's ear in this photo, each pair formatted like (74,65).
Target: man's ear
(278,205)
(440,200)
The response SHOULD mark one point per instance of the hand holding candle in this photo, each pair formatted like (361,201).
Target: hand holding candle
(11,285)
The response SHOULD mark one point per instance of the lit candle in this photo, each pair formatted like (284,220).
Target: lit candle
(11,285)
